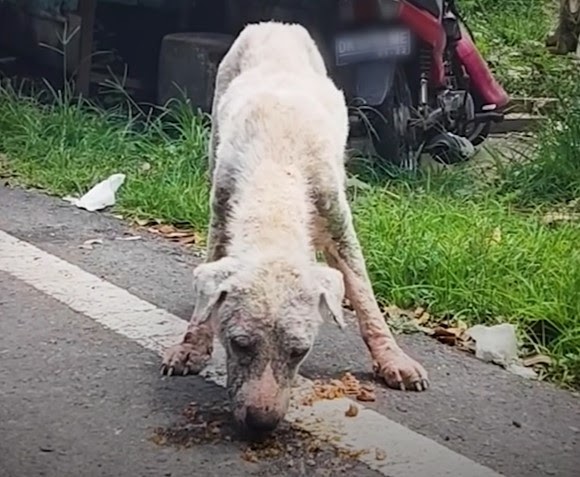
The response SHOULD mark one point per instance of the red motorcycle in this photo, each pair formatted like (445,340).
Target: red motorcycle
(416,78)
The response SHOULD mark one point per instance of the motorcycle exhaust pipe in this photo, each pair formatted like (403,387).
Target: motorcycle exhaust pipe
(487,116)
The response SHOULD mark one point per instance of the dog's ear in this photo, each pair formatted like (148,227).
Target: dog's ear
(210,287)
(330,284)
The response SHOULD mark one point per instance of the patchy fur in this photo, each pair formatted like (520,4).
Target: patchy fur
(277,149)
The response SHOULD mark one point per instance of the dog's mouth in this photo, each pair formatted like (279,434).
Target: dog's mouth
(256,424)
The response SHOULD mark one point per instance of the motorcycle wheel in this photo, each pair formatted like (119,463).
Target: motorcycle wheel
(479,133)
(392,138)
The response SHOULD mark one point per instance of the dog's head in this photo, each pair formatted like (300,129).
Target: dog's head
(267,315)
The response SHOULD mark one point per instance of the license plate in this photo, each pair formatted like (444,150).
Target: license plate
(368,46)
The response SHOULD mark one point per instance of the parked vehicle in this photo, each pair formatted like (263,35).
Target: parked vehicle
(416,79)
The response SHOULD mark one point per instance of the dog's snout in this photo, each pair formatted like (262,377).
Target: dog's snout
(261,420)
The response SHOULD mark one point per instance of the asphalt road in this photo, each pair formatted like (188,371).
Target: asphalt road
(77,398)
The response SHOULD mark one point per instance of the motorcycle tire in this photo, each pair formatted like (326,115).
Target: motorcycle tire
(392,138)
(480,134)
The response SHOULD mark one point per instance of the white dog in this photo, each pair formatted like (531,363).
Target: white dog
(277,152)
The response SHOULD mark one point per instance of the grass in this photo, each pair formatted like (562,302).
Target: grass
(444,241)
(554,176)
(511,35)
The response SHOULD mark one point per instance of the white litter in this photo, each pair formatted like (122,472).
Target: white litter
(100,196)
(495,344)
(499,345)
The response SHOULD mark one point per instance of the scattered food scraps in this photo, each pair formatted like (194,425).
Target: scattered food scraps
(380,454)
(352,411)
(347,386)
(366,395)
(100,196)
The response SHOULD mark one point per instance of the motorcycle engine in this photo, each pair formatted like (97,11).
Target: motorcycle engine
(457,107)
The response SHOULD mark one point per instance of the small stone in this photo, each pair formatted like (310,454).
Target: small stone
(517,424)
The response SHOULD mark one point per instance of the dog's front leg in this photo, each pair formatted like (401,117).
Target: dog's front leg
(195,350)
(343,251)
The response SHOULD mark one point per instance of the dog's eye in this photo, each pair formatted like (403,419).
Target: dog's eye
(241,344)
(298,353)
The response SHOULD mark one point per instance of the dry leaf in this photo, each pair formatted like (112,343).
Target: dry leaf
(130,238)
(536,360)
(184,237)
(177,234)
(555,217)
(419,312)
(352,411)
(495,238)
(189,240)
(165,229)
(88,244)
(424,318)
(428,331)
(144,222)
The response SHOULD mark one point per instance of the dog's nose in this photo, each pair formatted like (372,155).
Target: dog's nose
(261,421)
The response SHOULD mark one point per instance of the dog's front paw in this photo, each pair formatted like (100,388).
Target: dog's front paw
(401,372)
(184,359)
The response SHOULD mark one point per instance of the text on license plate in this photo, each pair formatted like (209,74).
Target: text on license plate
(368,46)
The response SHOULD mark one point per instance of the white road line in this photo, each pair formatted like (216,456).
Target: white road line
(371,434)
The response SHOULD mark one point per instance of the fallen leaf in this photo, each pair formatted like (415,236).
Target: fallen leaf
(552,218)
(189,240)
(165,229)
(144,222)
(352,411)
(177,235)
(88,244)
(495,238)
(419,312)
(423,318)
(131,238)
(182,236)
(536,360)
(428,331)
